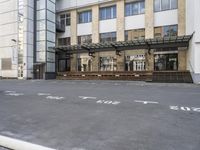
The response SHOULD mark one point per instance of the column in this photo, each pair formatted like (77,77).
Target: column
(74,38)
(149,32)
(181,31)
(120,33)
(95,35)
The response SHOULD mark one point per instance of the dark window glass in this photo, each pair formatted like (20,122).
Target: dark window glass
(84,39)
(68,19)
(108,37)
(174,4)
(64,41)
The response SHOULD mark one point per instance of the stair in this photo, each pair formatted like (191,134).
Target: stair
(172,76)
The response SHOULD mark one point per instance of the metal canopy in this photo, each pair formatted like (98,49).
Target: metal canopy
(157,43)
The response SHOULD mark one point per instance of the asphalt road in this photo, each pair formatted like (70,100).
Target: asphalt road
(101,115)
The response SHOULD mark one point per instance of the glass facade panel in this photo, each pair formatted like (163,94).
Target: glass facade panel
(134,34)
(165,4)
(166,31)
(51,26)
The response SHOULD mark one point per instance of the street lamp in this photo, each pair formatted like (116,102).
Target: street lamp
(14,51)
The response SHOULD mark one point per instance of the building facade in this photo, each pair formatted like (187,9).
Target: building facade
(64,23)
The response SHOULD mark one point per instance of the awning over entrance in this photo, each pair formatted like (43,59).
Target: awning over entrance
(156,43)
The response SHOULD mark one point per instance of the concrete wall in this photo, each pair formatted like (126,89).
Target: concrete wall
(8,31)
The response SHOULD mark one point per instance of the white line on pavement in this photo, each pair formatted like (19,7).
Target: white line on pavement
(20,145)
(85,97)
(146,102)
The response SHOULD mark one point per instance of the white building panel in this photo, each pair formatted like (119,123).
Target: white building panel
(135,22)
(84,29)
(67,32)
(107,26)
(164,18)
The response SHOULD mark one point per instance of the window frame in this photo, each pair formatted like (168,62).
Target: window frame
(87,14)
(113,12)
(171,7)
(139,3)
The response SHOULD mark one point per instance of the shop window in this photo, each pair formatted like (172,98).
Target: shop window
(135,63)
(108,64)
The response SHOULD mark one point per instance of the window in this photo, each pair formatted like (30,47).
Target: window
(135,8)
(84,39)
(108,63)
(134,34)
(65,19)
(64,41)
(68,19)
(161,5)
(166,31)
(85,17)
(108,37)
(135,63)
(108,12)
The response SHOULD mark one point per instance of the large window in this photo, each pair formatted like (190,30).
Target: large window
(161,5)
(166,31)
(108,12)
(135,63)
(134,34)
(85,17)
(64,41)
(108,37)
(135,8)
(65,19)
(84,39)
(108,64)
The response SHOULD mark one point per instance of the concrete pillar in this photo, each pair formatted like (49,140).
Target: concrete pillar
(182,60)
(181,17)
(149,19)
(181,31)
(149,32)
(95,35)
(120,33)
(95,24)
(74,38)
(120,20)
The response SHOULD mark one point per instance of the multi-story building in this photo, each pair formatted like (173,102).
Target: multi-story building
(99,36)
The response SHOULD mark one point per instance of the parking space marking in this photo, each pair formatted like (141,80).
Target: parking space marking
(146,102)
(86,97)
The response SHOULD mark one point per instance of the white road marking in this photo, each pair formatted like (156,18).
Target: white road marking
(20,145)
(55,97)
(14,94)
(43,94)
(108,102)
(182,108)
(10,92)
(85,97)
(146,102)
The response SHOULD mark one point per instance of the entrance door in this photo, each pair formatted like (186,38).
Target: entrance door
(39,71)
(20,71)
